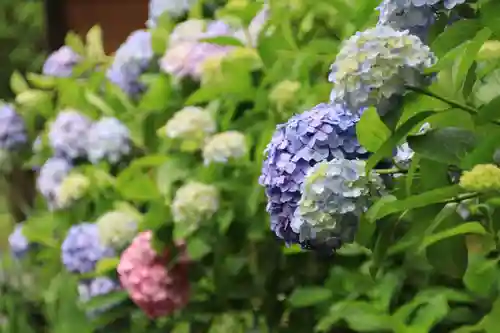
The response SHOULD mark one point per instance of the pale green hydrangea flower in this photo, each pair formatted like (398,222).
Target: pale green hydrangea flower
(74,187)
(284,92)
(195,202)
(224,146)
(117,228)
(482,178)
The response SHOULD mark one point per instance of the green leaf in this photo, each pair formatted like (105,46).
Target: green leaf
(159,40)
(455,35)
(466,228)
(106,265)
(482,275)
(488,112)
(484,151)
(309,296)
(416,201)
(157,96)
(41,81)
(388,146)
(489,16)
(447,145)
(32,97)
(371,131)
(468,58)
(94,49)
(105,300)
(99,103)
(197,248)
(223,41)
(74,41)
(17,83)
(168,173)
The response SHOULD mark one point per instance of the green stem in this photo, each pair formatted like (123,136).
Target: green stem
(462,197)
(390,171)
(454,104)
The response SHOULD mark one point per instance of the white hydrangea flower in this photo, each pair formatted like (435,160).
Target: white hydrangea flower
(117,229)
(108,139)
(195,202)
(192,124)
(73,188)
(334,195)
(375,65)
(224,146)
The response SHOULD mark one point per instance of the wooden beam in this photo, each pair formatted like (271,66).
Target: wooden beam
(56,27)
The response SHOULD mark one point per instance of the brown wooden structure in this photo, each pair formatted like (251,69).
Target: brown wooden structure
(116,17)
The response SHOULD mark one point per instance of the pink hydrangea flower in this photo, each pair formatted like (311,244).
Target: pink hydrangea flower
(157,289)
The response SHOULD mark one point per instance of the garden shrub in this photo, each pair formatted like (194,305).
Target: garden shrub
(312,165)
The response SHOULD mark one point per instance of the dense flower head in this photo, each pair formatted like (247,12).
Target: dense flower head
(18,243)
(174,8)
(108,139)
(131,60)
(117,228)
(13,133)
(482,178)
(61,62)
(98,286)
(187,53)
(325,132)
(50,177)
(73,187)
(68,134)
(374,65)
(222,147)
(154,283)
(82,249)
(192,124)
(334,195)
(195,202)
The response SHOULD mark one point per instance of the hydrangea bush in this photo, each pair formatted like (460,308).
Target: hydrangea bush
(301,166)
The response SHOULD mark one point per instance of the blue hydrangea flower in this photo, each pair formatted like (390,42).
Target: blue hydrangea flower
(61,62)
(68,134)
(108,139)
(97,287)
(374,66)
(325,132)
(50,178)
(13,133)
(18,243)
(81,249)
(131,60)
(174,8)
(334,195)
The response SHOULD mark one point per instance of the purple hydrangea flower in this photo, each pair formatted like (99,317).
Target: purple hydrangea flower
(131,60)
(68,134)
(12,129)
(186,55)
(18,243)
(108,139)
(325,132)
(50,177)
(81,250)
(97,287)
(61,62)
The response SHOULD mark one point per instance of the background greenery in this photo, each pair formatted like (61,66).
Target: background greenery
(417,265)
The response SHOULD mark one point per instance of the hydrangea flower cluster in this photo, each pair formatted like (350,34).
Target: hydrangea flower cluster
(81,249)
(224,146)
(321,134)
(334,195)
(156,288)
(18,243)
(50,178)
(191,124)
(97,287)
(174,8)
(73,187)
(374,65)
(413,15)
(116,229)
(131,60)
(404,153)
(61,62)
(195,202)
(482,178)
(13,133)
(68,134)
(108,139)
(186,53)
